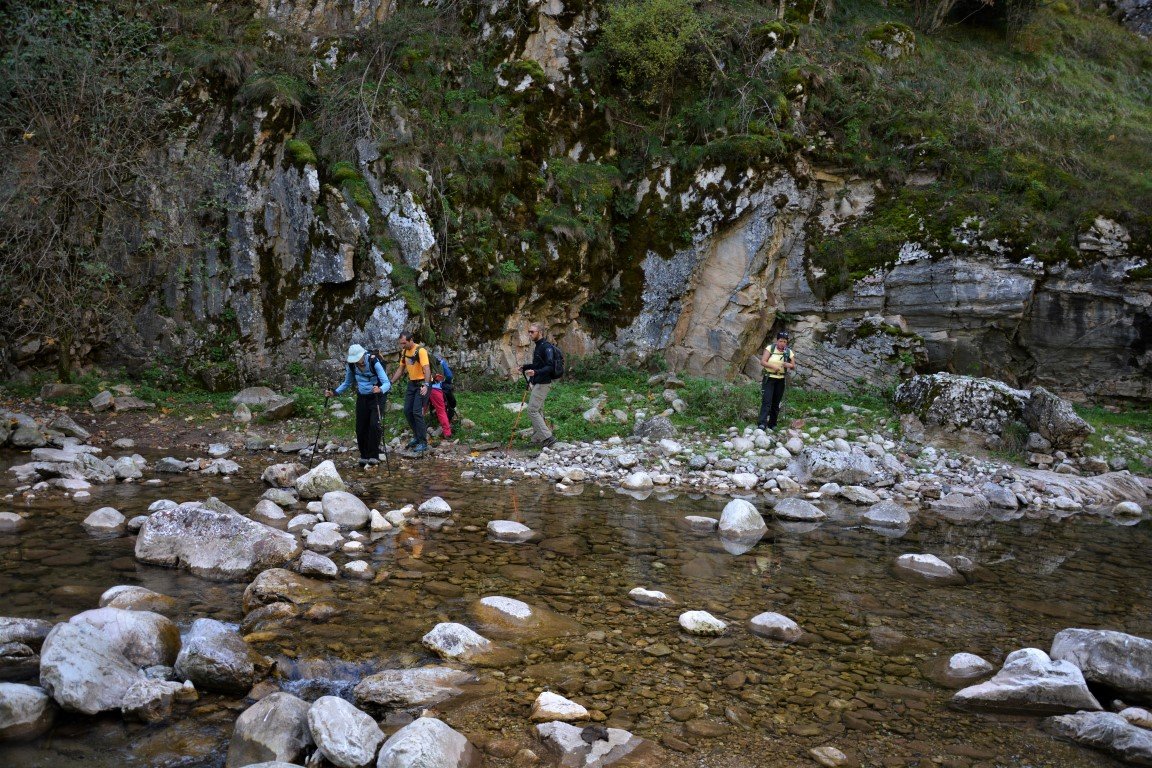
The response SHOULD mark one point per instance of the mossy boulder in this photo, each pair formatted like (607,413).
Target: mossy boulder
(891,40)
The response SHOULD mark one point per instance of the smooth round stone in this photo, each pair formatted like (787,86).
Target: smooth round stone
(358,569)
(105,520)
(10,522)
(650,597)
(702,623)
(509,531)
(963,666)
(775,626)
(435,507)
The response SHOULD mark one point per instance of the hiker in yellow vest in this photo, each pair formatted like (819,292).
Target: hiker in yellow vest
(414,361)
(777,360)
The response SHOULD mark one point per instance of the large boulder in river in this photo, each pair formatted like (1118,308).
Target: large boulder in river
(1055,420)
(1030,683)
(428,743)
(823,465)
(322,479)
(216,658)
(1106,731)
(146,639)
(793,508)
(26,712)
(410,688)
(740,518)
(274,728)
(1118,660)
(347,737)
(84,671)
(215,545)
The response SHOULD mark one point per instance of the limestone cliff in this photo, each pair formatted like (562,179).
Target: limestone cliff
(276,256)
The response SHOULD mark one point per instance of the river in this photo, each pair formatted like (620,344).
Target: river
(861,679)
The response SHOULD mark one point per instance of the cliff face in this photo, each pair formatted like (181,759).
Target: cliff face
(283,258)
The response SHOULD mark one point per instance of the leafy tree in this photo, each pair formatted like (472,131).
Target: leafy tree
(652,43)
(82,92)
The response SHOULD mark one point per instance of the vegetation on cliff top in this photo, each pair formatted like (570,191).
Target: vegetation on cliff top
(1034,122)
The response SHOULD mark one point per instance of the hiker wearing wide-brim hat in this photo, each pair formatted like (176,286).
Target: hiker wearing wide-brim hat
(372,384)
(777,361)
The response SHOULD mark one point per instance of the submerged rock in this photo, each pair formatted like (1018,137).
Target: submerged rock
(927,568)
(26,712)
(797,509)
(411,688)
(509,531)
(775,626)
(702,623)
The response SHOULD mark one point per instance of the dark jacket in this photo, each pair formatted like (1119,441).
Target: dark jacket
(541,363)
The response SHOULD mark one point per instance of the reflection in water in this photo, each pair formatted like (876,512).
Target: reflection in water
(856,680)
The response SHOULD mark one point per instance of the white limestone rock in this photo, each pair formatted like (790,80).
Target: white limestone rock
(347,737)
(274,728)
(322,479)
(428,743)
(1030,682)
(411,688)
(344,509)
(702,623)
(740,519)
(435,507)
(775,626)
(455,641)
(650,597)
(927,568)
(798,509)
(509,531)
(26,712)
(550,706)
(1116,659)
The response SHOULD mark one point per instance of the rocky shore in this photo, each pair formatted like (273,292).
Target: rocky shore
(310,529)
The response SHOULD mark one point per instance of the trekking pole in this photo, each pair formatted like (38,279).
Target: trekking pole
(380,418)
(316,442)
(516,421)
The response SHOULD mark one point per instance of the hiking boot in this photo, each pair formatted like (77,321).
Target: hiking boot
(412,443)
(363,462)
(420,448)
(551,441)
(373,462)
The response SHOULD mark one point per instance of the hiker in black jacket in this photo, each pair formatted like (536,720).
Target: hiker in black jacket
(540,372)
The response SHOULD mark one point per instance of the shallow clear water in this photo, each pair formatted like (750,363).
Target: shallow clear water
(860,680)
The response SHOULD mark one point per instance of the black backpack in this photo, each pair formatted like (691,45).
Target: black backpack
(557,360)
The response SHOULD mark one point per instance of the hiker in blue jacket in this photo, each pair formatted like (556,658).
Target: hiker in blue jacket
(372,387)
